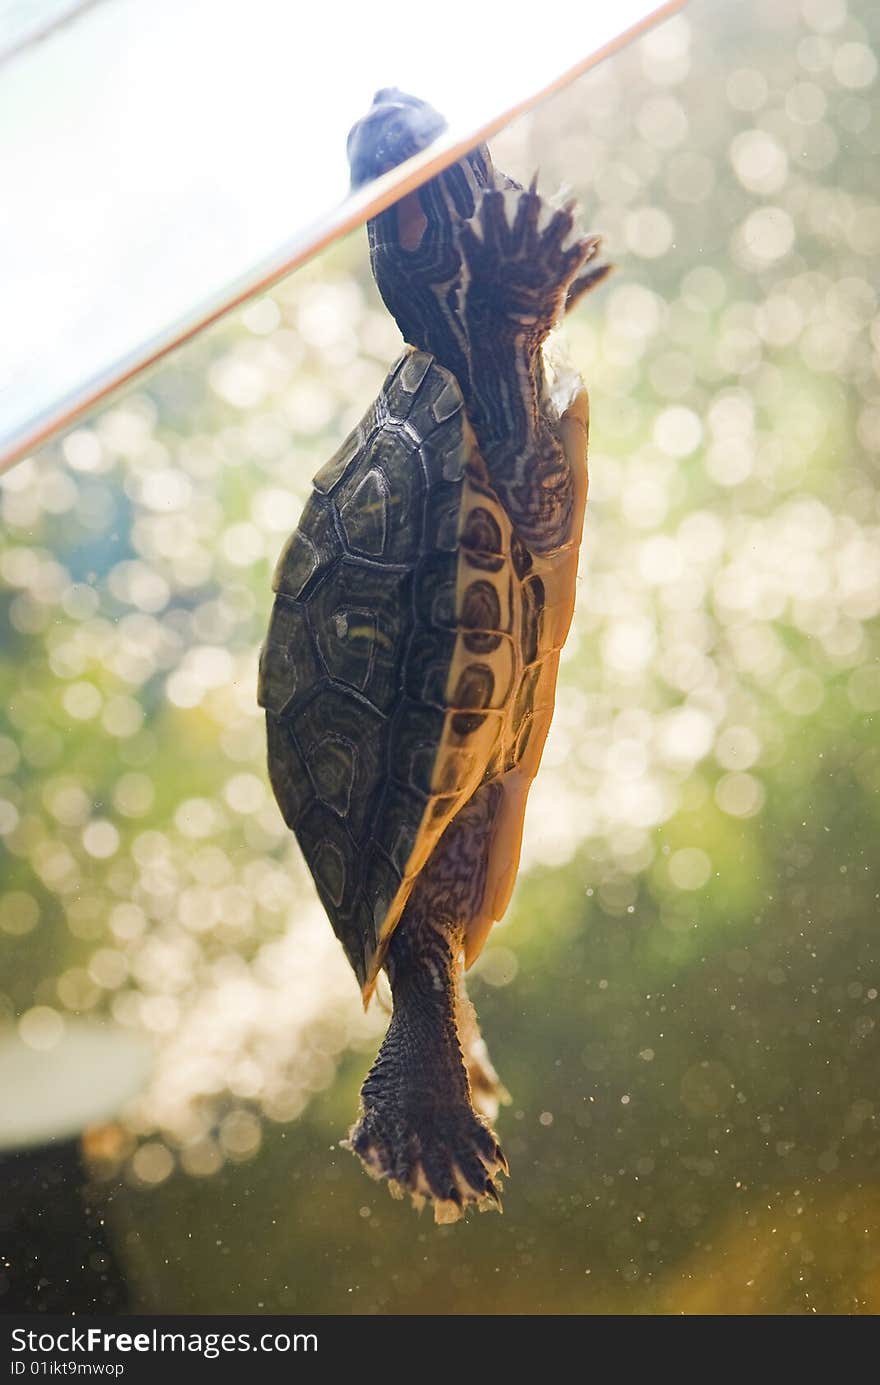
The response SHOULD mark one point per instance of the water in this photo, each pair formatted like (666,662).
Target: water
(683,1000)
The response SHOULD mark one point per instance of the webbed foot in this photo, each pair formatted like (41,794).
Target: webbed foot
(434,1151)
(523,255)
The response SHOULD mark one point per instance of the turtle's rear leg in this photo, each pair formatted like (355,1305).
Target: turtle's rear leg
(487,1090)
(418,1128)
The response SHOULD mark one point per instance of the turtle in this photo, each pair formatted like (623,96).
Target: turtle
(409,671)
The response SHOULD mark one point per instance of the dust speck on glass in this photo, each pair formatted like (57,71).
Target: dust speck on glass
(694,1043)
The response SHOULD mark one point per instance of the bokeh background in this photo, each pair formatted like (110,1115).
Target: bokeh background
(683,999)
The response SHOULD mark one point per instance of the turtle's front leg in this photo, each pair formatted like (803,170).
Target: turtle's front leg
(522,256)
(522,260)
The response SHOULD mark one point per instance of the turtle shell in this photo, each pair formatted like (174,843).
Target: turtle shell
(411,656)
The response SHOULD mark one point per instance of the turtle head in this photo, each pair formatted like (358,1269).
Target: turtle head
(395,127)
(414,248)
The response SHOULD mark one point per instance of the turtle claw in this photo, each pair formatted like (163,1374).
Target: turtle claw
(585,282)
(522,254)
(453,1167)
(492,1200)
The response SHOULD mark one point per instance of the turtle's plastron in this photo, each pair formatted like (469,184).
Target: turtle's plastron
(409,671)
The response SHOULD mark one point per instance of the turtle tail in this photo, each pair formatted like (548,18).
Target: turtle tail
(417,1126)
